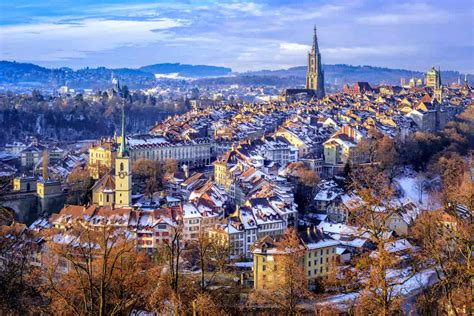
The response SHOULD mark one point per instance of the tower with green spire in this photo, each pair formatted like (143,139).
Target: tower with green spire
(123,150)
(123,170)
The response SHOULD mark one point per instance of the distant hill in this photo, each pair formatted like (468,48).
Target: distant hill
(189,71)
(341,73)
(25,76)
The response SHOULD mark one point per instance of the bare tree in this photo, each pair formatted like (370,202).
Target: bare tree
(95,272)
(19,293)
(446,239)
(379,294)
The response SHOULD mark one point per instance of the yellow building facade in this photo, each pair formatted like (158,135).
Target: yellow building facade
(101,158)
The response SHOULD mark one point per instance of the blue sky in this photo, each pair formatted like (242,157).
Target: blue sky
(243,35)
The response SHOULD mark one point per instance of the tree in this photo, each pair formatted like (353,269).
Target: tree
(386,154)
(148,175)
(211,253)
(366,148)
(378,295)
(306,181)
(170,166)
(80,184)
(447,247)
(292,284)
(420,147)
(19,293)
(421,185)
(95,272)
(451,167)
(172,251)
(205,305)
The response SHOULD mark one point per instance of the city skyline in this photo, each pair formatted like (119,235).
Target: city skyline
(241,35)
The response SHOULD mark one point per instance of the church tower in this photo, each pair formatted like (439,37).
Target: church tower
(438,89)
(123,170)
(315,74)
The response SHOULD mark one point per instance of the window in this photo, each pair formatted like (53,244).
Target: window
(264,268)
(333,250)
(327,251)
(309,273)
(321,260)
(121,166)
(309,263)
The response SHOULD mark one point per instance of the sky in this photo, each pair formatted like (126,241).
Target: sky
(243,35)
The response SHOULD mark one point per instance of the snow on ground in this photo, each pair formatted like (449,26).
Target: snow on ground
(410,189)
(408,288)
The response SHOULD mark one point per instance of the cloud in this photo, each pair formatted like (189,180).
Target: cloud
(243,35)
(366,51)
(51,40)
(413,13)
(244,7)
(293,48)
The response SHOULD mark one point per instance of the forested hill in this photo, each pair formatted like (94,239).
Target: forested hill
(24,76)
(31,76)
(341,73)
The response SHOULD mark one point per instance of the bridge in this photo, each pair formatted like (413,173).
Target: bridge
(28,206)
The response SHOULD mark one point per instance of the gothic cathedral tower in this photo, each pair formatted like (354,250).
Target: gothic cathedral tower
(123,171)
(315,74)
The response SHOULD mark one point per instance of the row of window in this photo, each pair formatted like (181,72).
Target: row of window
(321,252)
(320,271)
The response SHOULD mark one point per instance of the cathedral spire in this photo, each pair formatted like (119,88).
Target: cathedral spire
(438,78)
(315,74)
(315,41)
(123,148)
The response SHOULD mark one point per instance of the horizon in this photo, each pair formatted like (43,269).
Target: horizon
(244,36)
(233,71)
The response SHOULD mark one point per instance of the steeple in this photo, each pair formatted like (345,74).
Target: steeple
(315,74)
(123,170)
(315,41)
(438,78)
(123,151)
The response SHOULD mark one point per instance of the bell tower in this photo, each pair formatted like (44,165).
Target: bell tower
(123,170)
(315,74)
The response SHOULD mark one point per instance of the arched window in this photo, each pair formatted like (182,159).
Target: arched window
(121,166)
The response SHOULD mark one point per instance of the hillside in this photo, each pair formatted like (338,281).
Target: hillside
(25,77)
(189,71)
(341,73)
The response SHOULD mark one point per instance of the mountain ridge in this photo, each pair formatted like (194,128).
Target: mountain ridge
(30,76)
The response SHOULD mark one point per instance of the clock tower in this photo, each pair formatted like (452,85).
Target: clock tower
(123,171)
